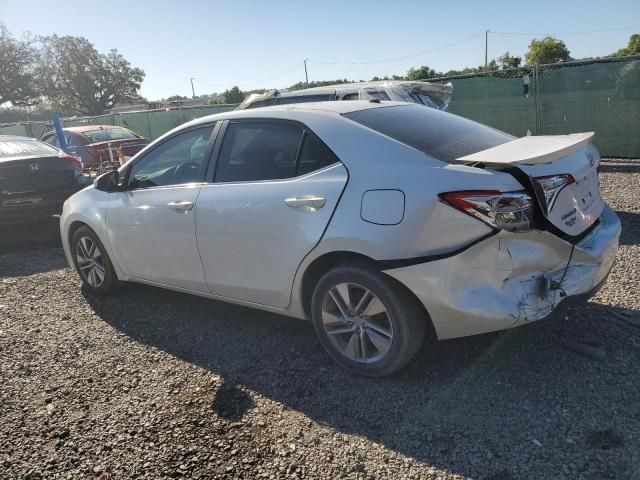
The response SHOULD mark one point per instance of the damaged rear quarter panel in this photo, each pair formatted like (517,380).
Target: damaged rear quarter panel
(496,284)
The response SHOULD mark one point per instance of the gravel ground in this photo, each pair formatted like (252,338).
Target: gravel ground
(154,384)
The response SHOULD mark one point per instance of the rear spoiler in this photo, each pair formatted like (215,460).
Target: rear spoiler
(531,150)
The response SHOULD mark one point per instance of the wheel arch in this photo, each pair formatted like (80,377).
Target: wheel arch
(325,262)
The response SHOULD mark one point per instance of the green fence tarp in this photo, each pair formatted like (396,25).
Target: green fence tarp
(601,96)
(153,123)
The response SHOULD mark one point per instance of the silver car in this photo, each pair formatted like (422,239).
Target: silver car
(383,223)
(432,95)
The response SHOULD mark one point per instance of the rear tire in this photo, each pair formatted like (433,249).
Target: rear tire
(366,321)
(92,262)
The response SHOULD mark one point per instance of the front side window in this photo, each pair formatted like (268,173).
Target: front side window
(181,159)
(253,151)
(26,148)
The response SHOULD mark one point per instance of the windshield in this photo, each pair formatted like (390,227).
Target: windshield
(110,133)
(440,135)
(25,148)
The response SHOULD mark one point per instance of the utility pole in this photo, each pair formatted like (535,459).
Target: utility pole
(486,47)
(193,91)
(306,75)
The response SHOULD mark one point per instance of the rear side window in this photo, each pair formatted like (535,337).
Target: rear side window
(441,135)
(25,148)
(314,155)
(253,151)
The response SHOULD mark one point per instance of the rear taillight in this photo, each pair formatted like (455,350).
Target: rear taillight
(552,185)
(512,211)
(76,161)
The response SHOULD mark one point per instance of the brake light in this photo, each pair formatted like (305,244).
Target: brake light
(76,161)
(511,211)
(552,185)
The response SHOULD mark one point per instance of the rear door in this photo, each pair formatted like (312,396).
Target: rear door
(275,188)
(151,225)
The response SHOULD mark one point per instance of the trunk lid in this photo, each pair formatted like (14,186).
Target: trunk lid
(35,178)
(560,169)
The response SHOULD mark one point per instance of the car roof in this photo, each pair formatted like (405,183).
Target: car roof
(15,138)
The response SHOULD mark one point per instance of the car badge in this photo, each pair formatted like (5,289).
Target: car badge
(34,167)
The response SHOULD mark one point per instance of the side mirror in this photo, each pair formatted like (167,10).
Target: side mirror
(108,182)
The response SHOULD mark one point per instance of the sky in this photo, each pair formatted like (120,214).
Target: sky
(256,44)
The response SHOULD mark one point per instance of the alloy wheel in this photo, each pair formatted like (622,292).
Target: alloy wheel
(357,322)
(90,261)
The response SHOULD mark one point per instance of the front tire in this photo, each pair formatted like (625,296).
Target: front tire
(92,262)
(366,321)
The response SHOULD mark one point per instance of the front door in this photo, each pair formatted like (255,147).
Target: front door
(275,188)
(151,225)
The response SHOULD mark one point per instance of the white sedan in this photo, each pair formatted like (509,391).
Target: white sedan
(383,223)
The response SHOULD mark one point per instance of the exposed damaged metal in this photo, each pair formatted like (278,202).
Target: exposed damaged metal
(510,278)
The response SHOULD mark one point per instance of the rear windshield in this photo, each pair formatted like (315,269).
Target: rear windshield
(25,148)
(439,134)
(104,134)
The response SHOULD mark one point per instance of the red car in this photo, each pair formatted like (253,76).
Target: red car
(91,143)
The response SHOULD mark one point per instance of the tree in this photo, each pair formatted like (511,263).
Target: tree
(175,97)
(547,50)
(507,61)
(78,78)
(632,48)
(420,73)
(18,79)
(235,95)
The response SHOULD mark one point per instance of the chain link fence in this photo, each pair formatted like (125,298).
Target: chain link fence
(601,96)
(149,123)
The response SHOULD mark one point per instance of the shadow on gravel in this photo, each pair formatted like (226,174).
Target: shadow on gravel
(622,166)
(25,236)
(630,227)
(472,398)
(40,260)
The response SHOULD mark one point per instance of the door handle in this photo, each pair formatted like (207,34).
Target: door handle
(180,206)
(306,202)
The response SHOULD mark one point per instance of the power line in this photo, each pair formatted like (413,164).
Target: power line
(217,85)
(404,56)
(565,33)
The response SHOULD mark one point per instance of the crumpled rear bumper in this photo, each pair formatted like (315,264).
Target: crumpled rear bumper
(511,279)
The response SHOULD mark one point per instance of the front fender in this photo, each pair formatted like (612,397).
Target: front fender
(89,207)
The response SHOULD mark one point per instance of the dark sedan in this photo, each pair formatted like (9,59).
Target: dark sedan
(35,179)
(97,145)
